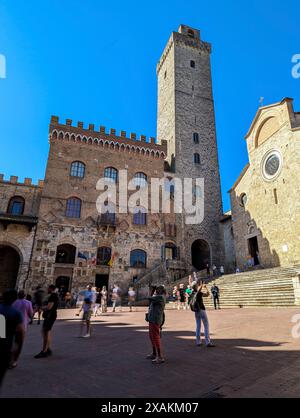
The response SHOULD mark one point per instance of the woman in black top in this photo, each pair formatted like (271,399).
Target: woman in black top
(201,292)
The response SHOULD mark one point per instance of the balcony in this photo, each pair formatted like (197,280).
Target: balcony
(7,219)
(108,219)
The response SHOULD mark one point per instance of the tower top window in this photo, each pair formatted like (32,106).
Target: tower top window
(193,64)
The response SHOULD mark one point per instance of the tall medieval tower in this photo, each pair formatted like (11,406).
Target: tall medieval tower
(186,120)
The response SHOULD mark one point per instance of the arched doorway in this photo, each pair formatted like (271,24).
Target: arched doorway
(63,284)
(200,254)
(9,268)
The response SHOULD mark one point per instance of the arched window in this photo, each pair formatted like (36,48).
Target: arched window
(140,216)
(111,174)
(16,205)
(196,137)
(197,158)
(65,254)
(73,209)
(77,169)
(138,259)
(193,64)
(191,33)
(140,179)
(103,256)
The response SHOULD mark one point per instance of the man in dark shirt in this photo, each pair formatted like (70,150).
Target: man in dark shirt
(215,291)
(14,331)
(49,315)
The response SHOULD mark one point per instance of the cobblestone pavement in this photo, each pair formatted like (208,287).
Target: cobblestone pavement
(255,356)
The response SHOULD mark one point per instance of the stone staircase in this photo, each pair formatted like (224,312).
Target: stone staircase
(274,287)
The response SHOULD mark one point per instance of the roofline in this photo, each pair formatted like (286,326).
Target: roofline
(245,169)
(260,109)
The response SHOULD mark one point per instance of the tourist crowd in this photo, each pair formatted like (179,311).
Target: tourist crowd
(19,310)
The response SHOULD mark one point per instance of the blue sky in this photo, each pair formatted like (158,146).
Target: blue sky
(95,61)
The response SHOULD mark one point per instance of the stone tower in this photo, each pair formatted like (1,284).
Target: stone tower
(186,120)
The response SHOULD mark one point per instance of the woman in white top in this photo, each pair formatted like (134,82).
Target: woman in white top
(131,298)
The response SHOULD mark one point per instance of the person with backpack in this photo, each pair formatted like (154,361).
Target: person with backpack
(200,291)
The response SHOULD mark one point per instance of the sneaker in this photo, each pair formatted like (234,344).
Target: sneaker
(151,357)
(13,365)
(210,345)
(49,352)
(158,361)
(87,336)
(41,355)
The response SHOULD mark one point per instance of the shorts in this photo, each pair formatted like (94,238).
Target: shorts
(87,316)
(48,323)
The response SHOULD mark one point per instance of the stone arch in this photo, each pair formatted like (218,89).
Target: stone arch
(201,254)
(61,136)
(54,134)
(11,260)
(267,128)
(67,137)
(78,138)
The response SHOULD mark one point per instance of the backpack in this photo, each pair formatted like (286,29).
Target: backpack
(194,305)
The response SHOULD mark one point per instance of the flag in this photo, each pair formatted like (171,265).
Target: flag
(82,256)
(111,261)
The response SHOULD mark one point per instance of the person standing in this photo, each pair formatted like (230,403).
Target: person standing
(24,306)
(222,270)
(181,296)
(87,309)
(215,270)
(175,296)
(208,270)
(49,315)
(14,332)
(38,300)
(155,318)
(131,298)
(68,300)
(98,302)
(104,295)
(215,291)
(197,306)
(90,294)
(188,293)
(116,297)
